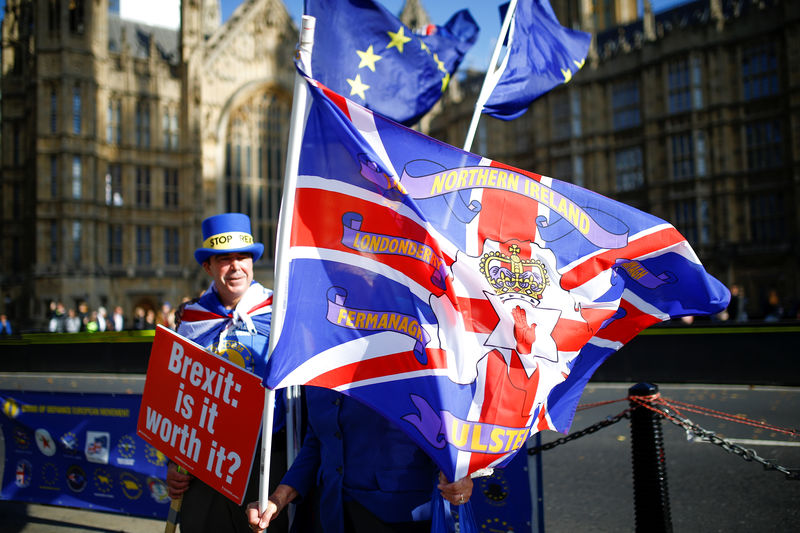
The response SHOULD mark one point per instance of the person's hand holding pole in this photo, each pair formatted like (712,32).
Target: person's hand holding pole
(178,481)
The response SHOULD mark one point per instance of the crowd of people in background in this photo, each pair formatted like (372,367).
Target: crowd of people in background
(72,320)
(61,319)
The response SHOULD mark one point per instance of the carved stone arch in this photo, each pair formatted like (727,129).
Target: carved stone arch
(237,98)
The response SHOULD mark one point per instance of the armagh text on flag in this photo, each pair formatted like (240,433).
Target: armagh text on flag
(363,51)
(541,55)
(452,293)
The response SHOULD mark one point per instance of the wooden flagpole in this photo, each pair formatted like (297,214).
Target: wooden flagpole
(299,101)
(174,510)
(493,73)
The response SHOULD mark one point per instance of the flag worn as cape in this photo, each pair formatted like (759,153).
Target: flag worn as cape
(240,335)
(542,55)
(363,51)
(466,300)
(221,331)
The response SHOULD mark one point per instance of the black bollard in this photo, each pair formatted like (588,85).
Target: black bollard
(650,494)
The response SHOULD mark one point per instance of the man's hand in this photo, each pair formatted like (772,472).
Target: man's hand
(177,482)
(277,501)
(458,492)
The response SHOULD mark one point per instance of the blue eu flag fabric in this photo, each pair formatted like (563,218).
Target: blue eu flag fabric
(542,55)
(364,52)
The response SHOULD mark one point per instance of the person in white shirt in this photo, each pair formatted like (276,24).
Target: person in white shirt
(102,321)
(118,319)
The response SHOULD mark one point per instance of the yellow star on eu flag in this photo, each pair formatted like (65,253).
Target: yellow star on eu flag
(368,58)
(439,63)
(445,80)
(398,39)
(358,87)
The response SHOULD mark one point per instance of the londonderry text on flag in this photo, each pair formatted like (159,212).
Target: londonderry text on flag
(363,51)
(542,54)
(466,300)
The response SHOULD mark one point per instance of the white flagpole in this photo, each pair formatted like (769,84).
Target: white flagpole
(492,76)
(300,98)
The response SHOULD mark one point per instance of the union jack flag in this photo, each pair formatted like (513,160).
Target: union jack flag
(467,300)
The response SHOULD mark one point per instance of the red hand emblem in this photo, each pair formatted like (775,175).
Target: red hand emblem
(524,334)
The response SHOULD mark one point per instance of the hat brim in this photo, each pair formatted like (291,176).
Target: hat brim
(202,254)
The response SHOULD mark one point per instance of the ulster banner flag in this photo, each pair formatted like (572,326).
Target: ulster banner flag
(466,300)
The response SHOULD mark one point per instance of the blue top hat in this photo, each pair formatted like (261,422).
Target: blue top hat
(227,233)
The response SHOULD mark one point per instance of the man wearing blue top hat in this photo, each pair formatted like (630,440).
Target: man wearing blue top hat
(232,320)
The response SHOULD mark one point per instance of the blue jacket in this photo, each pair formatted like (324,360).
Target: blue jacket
(350,452)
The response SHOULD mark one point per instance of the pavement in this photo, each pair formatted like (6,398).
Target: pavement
(588,482)
(20,517)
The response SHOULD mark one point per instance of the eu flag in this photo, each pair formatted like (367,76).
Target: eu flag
(364,52)
(542,55)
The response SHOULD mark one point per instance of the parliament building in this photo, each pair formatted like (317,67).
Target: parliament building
(692,114)
(118,138)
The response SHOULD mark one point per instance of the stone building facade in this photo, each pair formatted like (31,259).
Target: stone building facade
(119,138)
(692,115)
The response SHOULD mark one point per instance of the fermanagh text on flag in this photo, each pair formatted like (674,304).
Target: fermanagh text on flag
(466,300)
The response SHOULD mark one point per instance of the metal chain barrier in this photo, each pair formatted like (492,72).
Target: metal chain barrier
(692,429)
(582,433)
(739,419)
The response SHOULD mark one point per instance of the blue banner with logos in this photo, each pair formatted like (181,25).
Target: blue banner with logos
(501,502)
(80,450)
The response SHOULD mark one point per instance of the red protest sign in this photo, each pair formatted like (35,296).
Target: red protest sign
(202,411)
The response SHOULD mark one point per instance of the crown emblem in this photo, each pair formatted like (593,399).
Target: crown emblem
(511,275)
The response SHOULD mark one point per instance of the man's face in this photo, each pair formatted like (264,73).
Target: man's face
(232,274)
